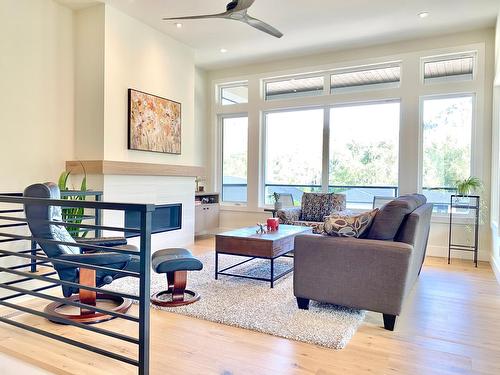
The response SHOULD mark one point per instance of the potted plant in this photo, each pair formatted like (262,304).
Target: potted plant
(276,198)
(73,215)
(468,186)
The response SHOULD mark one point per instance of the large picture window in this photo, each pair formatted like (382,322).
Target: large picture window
(364,143)
(234,158)
(293,154)
(447,132)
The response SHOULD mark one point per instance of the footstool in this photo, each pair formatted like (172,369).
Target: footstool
(175,263)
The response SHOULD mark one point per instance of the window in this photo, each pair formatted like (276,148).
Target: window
(381,77)
(293,147)
(364,143)
(294,87)
(447,131)
(234,159)
(234,94)
(449,68)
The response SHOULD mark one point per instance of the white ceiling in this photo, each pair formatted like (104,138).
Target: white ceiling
(310,26)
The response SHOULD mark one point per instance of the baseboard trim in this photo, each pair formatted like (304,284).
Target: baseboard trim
(442,252)
(495,265)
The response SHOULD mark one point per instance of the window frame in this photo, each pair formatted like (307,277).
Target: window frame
(409,92)
(263,155)
(473,156)
(223,86)
(325,172)
(317,74)
(445,57)
(220,178)
(369,87)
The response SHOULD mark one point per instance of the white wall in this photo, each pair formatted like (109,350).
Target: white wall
(89,83)
(157,189)
(140,57)
(36,96)
(122,53)
(409,53)
(495,172)
(202,122)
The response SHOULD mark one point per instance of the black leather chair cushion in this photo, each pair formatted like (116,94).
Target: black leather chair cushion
(176,259)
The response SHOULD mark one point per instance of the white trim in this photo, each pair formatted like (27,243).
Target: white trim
(220,157)
(452,94)
(220,87)
(442,252)
(495,266)
(445,57)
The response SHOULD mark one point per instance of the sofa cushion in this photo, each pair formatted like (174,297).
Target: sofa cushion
(349,224)
(315,206)
(317,226)
(390,216)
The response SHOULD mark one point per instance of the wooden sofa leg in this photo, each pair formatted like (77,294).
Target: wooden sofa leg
(389,322)
(303,303)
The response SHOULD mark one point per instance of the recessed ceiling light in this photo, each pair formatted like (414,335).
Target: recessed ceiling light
(423,14)
(223,50)
(178,25)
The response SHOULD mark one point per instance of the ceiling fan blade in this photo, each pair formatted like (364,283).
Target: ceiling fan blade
(262,26)
(218,15)
(242,5)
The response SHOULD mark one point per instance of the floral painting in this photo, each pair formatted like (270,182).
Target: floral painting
(154,123)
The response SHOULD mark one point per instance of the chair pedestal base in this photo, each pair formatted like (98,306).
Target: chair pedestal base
(88,316)
(156,300)
(177,289)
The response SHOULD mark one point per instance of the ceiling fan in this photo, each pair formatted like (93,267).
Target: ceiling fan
(237,10)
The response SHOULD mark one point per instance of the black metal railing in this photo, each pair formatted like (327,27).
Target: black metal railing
(13,248)
(365,194)
(355,194)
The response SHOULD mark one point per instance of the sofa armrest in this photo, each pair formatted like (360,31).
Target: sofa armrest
(358,273)
(289,214)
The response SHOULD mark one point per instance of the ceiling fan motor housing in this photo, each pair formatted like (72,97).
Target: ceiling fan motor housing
(231,5)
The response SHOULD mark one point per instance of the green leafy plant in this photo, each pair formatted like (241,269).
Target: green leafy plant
(73,215)
(276,197)
(468,186)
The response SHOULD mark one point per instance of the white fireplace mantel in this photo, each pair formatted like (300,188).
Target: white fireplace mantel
(109,167)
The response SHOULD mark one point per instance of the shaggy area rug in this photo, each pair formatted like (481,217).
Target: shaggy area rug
(254,305)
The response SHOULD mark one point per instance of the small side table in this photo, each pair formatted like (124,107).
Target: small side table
(274,211)
(465,202)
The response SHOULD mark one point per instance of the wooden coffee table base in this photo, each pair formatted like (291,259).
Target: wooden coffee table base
(245,242)
(270,280)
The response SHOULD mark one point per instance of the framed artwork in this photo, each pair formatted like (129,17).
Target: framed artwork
(154,123)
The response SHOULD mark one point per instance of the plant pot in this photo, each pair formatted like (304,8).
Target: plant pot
(278,205)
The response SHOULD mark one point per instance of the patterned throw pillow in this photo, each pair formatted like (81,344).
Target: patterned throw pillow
(348,224)
(315,206)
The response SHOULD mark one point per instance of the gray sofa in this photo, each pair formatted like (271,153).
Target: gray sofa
(373,273)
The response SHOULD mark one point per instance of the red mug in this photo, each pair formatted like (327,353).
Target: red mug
(272,224)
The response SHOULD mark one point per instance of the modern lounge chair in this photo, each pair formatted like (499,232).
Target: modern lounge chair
(39,219)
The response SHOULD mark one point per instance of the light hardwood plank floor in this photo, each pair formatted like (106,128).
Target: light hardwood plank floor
(450,325)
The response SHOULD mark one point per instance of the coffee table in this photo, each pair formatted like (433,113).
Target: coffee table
(246,242)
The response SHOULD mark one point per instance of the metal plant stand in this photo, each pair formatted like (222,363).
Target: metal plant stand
(464,204)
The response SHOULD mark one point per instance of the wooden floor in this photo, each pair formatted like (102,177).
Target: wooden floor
(450,325)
